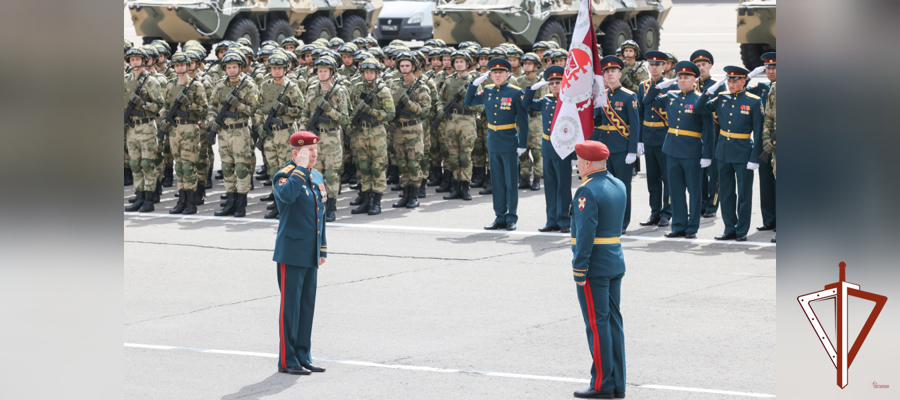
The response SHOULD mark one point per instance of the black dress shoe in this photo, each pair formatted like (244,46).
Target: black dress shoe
(742,238)
(590,393)
(708,214)
(313,368)
(769,227)
(663,221)
(726,236)
(650,221)
(549,228)
(674,234)
(623,231)
(690,235)
(619,395)
(298,370)
(495,225)
(511,226)
(773,239)
(564,229)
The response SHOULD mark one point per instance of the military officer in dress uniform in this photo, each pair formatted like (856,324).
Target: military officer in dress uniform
(507,122)
(710,183)
(740,118)
(688,146)
(598,266)
(766,175)
(557,171)
(619,127)
(653,132)
(300,195)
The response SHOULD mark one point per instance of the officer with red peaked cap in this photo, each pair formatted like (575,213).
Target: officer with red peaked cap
(598,266)
(300,248)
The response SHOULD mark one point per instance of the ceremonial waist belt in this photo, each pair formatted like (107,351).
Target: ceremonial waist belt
(655,124)
(501,127)
(141,121)
(603,240)
(408,123)
(546,137)
(236,126)
(734,135)
(678,132)
(605,127)
(179,121)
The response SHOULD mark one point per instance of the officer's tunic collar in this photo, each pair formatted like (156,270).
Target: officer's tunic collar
(594,174)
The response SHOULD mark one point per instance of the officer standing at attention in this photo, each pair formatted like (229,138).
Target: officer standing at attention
(598,266)
(688,146)
(766,175)
(557,171)
(507,122)
(140,134)
(740,117)
(619,127)
(653,133)
(710,184)
(300,195)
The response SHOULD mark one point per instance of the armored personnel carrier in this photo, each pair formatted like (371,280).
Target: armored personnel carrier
(524,22)
(755,30)
(210,21)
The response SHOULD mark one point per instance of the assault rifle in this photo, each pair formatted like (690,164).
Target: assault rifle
(317,117)
(409,92)
(366,99)
(452,104)
(175,110)
(223,112)
(267,125)
(129,109)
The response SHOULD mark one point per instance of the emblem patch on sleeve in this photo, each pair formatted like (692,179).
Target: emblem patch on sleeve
(581,202)
(634,104)
(282,181)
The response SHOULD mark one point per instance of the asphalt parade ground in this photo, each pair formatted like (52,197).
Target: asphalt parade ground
(423,303)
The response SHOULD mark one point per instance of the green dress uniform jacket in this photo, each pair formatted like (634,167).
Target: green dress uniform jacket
(300,197)
(597,211)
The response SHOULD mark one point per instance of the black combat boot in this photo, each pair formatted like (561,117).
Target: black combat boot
(477,177)
(420,192)
(209,175)
(435,178)
(240,208)
(404,199)
(348,170)
(219,174)
(147,206)
(134,198)
(464,191)
(431,175)
(523,183)
(268,197)
(264,176)
(129,177)
(445,182)
(189,206)
(487,184)
(454,191)
(354,176)
(330,208)
(167,177)
(179,207)
(272,214)
(375,207)
(224,196)
(228,208)
(413,198)
(200,195)
(271,206)
(364,205)
(391,177)
(536,183)
(251,185)
(155,194)
(178,193)
(138,201)
(358,200)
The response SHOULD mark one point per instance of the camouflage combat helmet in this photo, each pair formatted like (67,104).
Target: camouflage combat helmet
(233,57)
(431,43)
(463,55)
(294,61)
(445,51)
(397,42)
(247,52)
(194,56)
(360,43)
(619,52)
(484,52)
(136,52)
(475,46)
(360,56)
(672,58)
(371,42)
(303,51)
(245,42)
(420,57)
(631,44)
(279,60)
(377,53)
(542,45)
(559,54)
(498,52)
(370,64)
(162,47)
(347,48)
(407,56)
(434,52)
(189,43)
(269,43)
(532,58)
(290,40)
(317,53)
(514,52)
(335,42)
(128,45)
(552,44)
(263,53)
(180,58)
(326,62)
(223,45)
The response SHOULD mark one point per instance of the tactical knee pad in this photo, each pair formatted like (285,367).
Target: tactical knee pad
(412,167)
(402,165)
(477,148)
(227,169)
(177,167)
(188,168)
(134,164)
(147,166)
(241,170)
(465,161)
(330,176)
(364,168)
(453,162)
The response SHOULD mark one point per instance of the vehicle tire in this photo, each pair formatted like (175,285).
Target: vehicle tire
(319,27)
(616,32)
(277,30)
(242,27)
(553,31)
(646,35)
(750,54)
(354,27)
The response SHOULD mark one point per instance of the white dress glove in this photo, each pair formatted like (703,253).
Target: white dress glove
(705,162)
(640,149)
(539,85)
(481,78)
(760,69)
(712,89)
(520,151)
(666,83)
(752,165)
(629,159)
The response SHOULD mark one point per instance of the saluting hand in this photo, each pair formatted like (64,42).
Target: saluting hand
(302,158)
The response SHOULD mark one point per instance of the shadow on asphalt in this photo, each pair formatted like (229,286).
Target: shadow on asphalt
(274,384)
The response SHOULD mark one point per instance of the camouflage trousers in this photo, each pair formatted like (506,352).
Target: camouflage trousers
(204,160)
(434,148)
(348,152)
(479,150)
(461,135)
(331,159)
(277,149)
(409,149)
(238,158)
(142,151)
(168,157)
(371,145)
(184,142)
(425,161)
(531,158)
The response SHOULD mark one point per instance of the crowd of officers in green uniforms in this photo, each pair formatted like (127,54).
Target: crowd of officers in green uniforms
(389,116)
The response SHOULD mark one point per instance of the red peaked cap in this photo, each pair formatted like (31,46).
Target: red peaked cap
(591,150)
(303,138)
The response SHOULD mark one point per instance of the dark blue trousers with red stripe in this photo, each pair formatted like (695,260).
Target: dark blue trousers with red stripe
(298,302)
(599,300)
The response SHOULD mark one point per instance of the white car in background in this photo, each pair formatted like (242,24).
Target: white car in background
(404,20)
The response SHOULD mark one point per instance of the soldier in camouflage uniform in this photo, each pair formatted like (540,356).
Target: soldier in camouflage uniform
(336,114)
(769,128)
(141,138)
(531,161)
(184,137)
(634,73)
(235,145)
(347,51)
(371,136)
(276,147)
(669,71)
(206,156)
(158,161)
(409,145)
(459,127)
